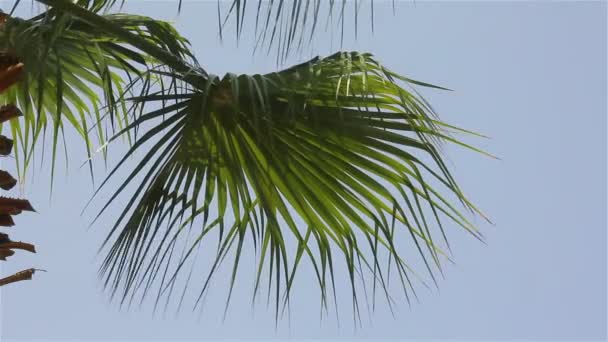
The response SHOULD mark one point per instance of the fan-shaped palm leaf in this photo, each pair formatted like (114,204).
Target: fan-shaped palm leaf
(328,153)
(334,154)
(286,25)
(67,63)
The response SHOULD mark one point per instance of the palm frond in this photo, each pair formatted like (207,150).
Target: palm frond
(284,25)
(333,154)
(337,156)
(68,64)
(289,26)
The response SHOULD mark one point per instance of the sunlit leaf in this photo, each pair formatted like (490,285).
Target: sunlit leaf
(75,75)
(332,153)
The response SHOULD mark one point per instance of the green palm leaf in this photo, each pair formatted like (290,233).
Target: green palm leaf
(284,25)
(329,153)
(68,65)
(334,155)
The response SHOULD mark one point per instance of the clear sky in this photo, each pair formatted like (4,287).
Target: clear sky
(532,75)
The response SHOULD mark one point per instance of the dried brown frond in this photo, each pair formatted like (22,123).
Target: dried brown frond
(6,220)
(6,145)
(9,111)
(7,181)
(10,75)
(19,276)
(21,204)
(18,245)
(5,253)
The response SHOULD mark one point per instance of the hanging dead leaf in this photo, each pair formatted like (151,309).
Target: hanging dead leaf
(9,111)
(6,220)
(6,145)
(3,17)
(10,75)
(19,276)
(8,58)
(7,181)
(10,210)
(21,204)
(18,245)
(5,253)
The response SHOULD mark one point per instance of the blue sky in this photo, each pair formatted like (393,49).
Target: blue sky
(531,75)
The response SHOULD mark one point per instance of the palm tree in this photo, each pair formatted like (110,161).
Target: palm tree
(339,154)
(11,70)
